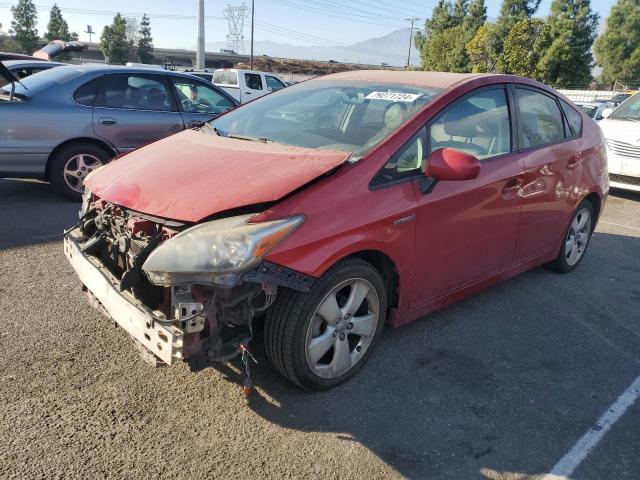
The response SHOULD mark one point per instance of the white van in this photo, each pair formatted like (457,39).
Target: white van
(621,128)
(246,85)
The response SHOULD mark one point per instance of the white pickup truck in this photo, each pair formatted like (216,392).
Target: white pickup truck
(246,85)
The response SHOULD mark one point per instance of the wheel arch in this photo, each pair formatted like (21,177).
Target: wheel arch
(596,202)
(387,269)
(94,141)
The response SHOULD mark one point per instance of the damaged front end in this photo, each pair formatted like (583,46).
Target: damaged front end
(179,289)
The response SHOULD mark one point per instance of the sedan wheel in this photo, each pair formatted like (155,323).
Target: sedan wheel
(320,338)
(576,240)
(578,236)
(69,166)
(342,328)
(77,168)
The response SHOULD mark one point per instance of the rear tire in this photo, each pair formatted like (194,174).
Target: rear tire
(576,239)
(71,164)
(319,339)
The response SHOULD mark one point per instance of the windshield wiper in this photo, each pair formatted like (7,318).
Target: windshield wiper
(222,133)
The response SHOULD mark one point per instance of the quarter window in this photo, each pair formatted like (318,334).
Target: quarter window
(406,163)
(135,92)
(477,124)
(540,119)
(86,94)
(574,118)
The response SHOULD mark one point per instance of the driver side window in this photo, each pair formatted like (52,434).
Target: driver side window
(477,124)
(195,97)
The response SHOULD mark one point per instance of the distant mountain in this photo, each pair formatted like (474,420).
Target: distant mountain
(391,49)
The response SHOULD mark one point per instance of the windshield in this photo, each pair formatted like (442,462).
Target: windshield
(629,110)
(42,80)
(589,109)
(336,115)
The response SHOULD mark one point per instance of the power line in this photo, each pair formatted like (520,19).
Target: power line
(335,14)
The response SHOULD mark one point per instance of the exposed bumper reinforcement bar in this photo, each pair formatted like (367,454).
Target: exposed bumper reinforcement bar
(165,341)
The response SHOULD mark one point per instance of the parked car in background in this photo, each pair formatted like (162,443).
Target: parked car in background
(594,109)
(621,128)
(24,68)
(246,85)
(397,194)
(65,122)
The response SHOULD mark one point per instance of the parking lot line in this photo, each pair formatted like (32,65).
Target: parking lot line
(567,464)
(619,225)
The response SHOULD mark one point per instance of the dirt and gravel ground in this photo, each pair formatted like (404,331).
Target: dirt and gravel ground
(498,386)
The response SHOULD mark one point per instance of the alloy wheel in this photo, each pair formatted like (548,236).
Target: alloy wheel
(578,237)
(77,167)
(342,328)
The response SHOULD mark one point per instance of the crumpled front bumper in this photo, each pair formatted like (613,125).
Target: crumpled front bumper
(153,332)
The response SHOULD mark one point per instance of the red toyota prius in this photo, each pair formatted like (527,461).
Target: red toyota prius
(333,206)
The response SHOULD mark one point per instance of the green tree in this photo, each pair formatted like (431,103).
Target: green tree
(58,29)
(446,33)
(8,43)
(113,41)
(618,48)
(145,41)
(478,50)
(568,60)
(525,45)
(511,12)
(25,19)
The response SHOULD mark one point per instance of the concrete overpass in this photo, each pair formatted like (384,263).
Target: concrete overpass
(181,58)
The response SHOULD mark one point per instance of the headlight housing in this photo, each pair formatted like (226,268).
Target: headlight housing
(209,252)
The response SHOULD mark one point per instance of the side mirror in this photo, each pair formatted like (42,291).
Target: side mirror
(606,112)
(451,164)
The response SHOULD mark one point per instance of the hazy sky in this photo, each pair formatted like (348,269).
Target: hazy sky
(298,22)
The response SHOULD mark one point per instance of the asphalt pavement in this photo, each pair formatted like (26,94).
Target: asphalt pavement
(499,386)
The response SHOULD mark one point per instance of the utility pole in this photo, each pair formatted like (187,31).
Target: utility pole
(90,31)
(200,63)
(412,20)
(252,12)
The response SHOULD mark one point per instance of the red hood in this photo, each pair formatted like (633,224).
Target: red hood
(192,175)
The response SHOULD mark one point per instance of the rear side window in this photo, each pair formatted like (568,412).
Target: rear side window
(540,119)
(135,92)
(225,78)
(574,118)
(86,94)
(253,81)
(477,124)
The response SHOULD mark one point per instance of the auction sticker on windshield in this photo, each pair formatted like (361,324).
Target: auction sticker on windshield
(394,96)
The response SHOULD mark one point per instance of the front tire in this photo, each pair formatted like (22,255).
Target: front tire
(70,166)
(319,339)
(576,240)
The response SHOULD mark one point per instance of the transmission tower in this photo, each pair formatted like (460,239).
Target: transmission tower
(235,17)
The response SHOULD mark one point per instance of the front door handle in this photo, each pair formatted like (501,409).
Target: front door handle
(107,121)
(511,188)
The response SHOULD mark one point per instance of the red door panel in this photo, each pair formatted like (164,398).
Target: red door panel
(466,230)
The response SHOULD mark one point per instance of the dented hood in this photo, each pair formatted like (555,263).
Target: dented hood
(192,175)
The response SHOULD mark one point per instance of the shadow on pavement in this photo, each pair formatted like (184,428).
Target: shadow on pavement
(30,213)
(497,386)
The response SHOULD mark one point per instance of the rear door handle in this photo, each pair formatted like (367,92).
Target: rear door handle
(574,161)
(107,121)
